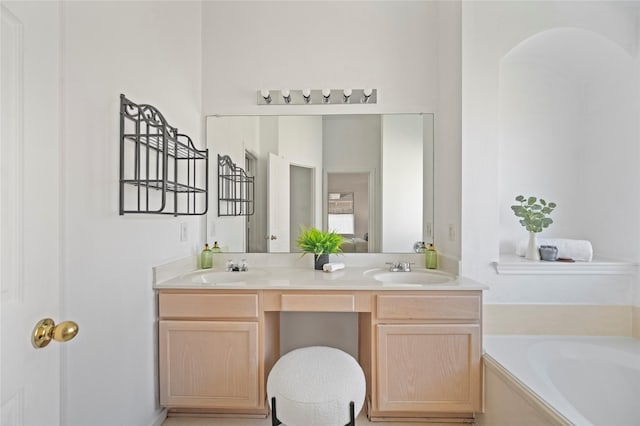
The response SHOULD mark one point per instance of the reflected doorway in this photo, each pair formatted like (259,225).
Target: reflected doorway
(348,209)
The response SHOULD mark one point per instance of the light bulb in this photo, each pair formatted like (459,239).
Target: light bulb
(286,95)
(326,92)
(346,95)
(266,96)
(366,94)
(306,94)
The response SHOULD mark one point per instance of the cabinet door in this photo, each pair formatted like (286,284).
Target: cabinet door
(209,364)
(428,368)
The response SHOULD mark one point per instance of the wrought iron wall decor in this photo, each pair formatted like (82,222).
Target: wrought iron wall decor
(236,190)
(161,171)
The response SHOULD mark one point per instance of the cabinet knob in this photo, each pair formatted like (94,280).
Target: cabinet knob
(47,330)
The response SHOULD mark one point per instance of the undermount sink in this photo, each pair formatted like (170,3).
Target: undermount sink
(413,278)
(223,277)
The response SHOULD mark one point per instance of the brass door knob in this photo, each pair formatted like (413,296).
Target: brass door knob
(47,330)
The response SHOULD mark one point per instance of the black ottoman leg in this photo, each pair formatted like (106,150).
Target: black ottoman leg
(352,414)
(274,416)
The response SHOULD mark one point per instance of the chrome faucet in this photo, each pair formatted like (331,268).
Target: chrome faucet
(236,267)
(399,266)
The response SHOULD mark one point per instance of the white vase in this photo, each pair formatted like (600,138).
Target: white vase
(532,248)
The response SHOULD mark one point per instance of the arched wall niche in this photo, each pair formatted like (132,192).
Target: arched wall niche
(567,130)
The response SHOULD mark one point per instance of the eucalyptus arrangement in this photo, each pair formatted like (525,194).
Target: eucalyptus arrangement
(534,216)
(320,243)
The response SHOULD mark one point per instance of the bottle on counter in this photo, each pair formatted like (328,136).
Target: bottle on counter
(206,258)
(216,248)
(431,257)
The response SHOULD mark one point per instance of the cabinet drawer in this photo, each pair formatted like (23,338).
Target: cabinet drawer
(208,306)
(429,307)
(318,302)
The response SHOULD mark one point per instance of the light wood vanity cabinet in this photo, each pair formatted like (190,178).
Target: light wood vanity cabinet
(427,355)
(209,346)
(420,351)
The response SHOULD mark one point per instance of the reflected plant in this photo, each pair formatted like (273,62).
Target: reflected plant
(534,215)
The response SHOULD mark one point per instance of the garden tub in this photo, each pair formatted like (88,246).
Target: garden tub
(566,380)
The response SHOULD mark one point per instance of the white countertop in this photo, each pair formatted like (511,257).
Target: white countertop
(288,278)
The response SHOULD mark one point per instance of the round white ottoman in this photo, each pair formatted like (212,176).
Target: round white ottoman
(313,386)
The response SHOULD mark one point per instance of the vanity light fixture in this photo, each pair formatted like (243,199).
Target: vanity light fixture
(265,96)
(316,96)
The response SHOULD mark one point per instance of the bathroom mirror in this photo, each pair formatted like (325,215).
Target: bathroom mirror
(308,167)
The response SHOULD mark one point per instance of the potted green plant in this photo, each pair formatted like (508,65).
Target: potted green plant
(320,243)
(534,216)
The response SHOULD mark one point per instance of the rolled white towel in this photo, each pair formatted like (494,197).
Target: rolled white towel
(580,250)
(332,266)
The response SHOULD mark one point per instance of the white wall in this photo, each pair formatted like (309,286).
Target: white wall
(490,30)
(567,132)
(150,51)
(288,44)
(447,130)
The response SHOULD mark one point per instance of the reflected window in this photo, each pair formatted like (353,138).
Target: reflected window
(341,218)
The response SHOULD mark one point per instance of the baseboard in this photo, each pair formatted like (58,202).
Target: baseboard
(576,320)
(160,418)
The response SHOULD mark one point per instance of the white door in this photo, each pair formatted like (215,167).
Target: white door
(278,205)
(29,210)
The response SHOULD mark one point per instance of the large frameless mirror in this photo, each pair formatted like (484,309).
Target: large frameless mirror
(368,177)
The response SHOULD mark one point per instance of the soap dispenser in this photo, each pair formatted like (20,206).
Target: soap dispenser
(431,257)
(216,248)
(206,258)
